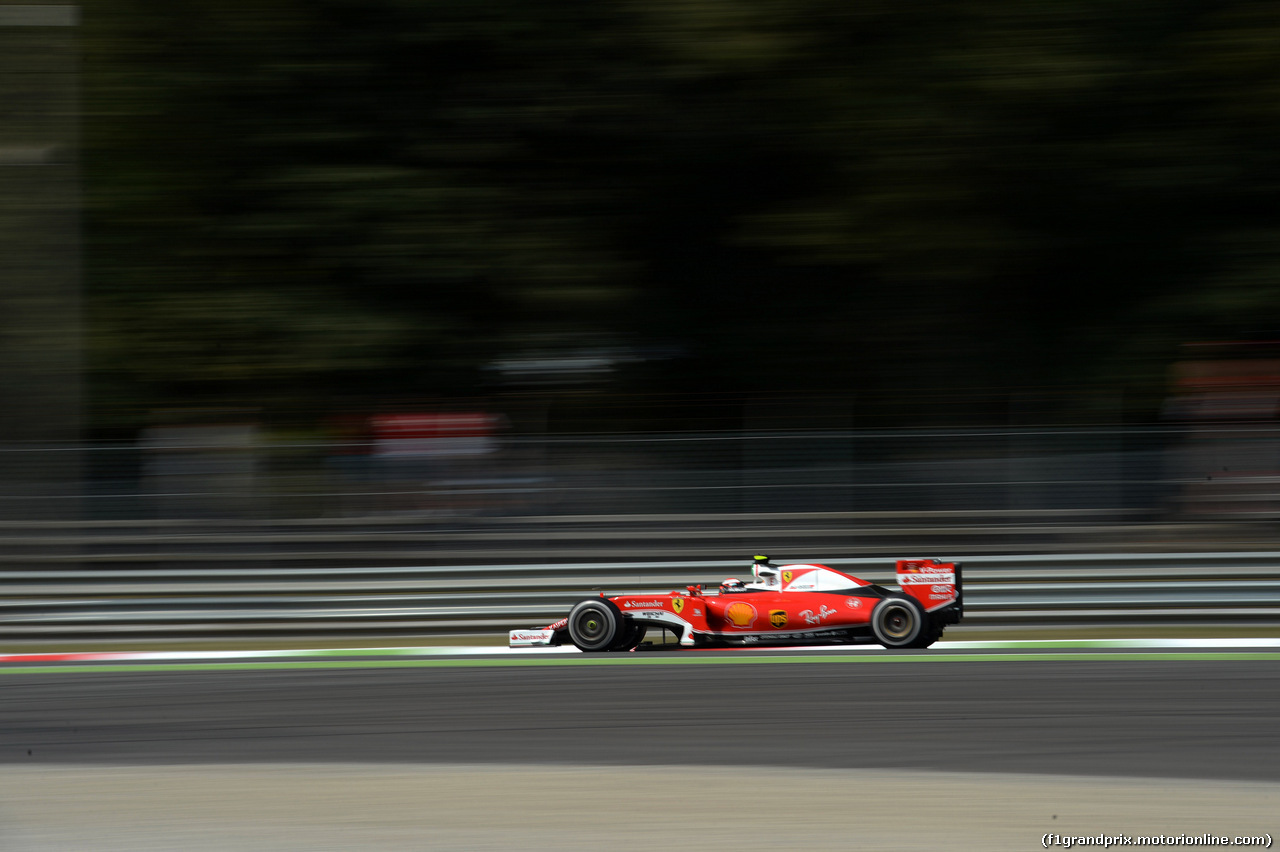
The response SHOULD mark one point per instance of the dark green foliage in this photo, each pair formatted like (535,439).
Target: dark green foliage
(896,203)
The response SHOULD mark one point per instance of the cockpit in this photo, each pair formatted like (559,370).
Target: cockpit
(799,577)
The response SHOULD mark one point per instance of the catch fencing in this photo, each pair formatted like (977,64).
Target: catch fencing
(241,473)
(218,532)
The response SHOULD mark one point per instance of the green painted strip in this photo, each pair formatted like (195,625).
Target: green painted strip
(279,665)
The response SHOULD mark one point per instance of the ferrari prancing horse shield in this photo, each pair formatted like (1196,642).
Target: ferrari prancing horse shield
(677,604)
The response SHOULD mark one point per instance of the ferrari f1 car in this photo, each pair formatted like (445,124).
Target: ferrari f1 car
(784,605)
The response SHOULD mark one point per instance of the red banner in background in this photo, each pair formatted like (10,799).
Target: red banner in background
(466,433)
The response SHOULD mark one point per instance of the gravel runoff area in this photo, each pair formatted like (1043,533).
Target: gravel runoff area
(565,808)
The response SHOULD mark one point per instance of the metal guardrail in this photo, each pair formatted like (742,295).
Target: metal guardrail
(291,602)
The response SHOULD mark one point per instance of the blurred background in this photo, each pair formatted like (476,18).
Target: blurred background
(367,322)
(835,278)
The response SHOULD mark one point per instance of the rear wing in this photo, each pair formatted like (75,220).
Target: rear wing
(936,585)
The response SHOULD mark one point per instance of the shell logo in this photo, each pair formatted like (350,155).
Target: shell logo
(740,614)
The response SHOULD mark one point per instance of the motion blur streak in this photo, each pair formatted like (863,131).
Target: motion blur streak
(556,808)
(1095,717)
(669,214)
(392,283)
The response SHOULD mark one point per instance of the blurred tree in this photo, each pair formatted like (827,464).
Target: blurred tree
(290,203)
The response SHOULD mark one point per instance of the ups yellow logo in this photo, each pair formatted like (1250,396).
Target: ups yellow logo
(778,617)
(678,605)
(786,576)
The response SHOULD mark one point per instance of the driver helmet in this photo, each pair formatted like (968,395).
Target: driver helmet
(732,584)
(764,572)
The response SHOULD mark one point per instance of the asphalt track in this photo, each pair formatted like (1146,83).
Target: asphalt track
(962,749)
(1191,715)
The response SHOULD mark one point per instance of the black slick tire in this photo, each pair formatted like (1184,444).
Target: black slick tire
(594,625)
(629,637)
(931,633)
(899,622)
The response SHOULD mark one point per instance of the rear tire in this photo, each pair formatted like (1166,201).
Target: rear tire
(931,633)
(594,624)
(900,622)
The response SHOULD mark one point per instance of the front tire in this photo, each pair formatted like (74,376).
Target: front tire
(594,625)
(900,622)
(629,637)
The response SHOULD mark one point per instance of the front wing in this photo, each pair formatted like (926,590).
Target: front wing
(539,636)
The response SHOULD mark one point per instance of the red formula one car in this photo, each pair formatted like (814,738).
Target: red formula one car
(784,605)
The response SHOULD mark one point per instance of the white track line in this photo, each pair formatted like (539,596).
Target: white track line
(478,650)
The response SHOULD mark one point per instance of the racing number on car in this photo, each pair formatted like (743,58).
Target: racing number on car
(778,617)
(678,605)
